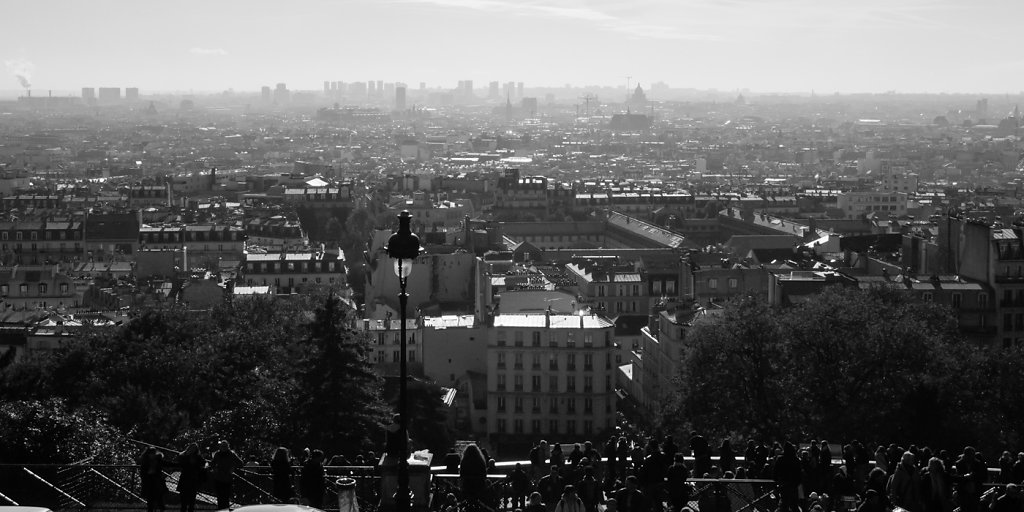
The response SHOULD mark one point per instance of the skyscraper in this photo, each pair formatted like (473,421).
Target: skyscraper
(281,94)
(519,90)
(109,94)
(131,94)
(88,94)
(327,87)
(380,87)
(493,91)
(266,93)
(400,98)
(371,88)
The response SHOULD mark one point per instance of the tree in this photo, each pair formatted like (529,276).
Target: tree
(48,432)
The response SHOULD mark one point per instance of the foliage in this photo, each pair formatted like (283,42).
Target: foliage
(260,373)
(47,431)
(877,365)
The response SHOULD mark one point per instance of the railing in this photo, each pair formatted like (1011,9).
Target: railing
(118,487)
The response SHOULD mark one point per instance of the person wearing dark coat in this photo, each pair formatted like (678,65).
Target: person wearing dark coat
(311,482)
(726,457)
(971,474)
(550,487)
(678,489)
(787,476)
(193,472)
(629,498)
(905,485)
(281,475)
(936,487)
(701,451)
(1010,501)
(520,483)
(222,468)
(669,449)
(151,474)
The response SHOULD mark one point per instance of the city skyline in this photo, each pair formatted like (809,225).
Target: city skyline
(916,46)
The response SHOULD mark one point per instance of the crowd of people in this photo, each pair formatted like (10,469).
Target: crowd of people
(219,472)
(644,474)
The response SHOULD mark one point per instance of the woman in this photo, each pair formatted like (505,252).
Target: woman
(536,503)
(151,473)
(312,479)
(281,473)
(569,502)
(936,487)
(193,472)
(726,457)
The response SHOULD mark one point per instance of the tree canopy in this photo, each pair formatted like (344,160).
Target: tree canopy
(260,373)
(874,365)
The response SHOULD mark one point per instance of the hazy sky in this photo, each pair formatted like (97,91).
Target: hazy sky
(763,45)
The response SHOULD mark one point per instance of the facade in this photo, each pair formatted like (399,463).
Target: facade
(610,286)
(857,204)
(203,243)
(293,272)
(36,287)
(549,375)
(33,243)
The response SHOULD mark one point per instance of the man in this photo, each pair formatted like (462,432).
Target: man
(787,478)
(550,487)
(222,469)
(678,489)
(629,498)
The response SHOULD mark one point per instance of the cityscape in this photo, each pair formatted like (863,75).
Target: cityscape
(340,289)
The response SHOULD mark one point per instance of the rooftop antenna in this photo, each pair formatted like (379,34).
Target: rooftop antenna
(628,78)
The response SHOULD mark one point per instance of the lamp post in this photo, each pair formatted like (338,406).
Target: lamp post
(403,247)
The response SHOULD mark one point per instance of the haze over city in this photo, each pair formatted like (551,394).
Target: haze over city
(769,46)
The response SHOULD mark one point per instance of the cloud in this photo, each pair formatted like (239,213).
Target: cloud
(207,51)
(571,11)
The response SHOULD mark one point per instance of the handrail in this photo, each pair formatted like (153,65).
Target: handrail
(8,500)
(119,486)
(54,487)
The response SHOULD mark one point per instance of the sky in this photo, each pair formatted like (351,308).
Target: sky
(966,46)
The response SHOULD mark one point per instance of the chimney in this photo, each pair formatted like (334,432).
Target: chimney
(547,318)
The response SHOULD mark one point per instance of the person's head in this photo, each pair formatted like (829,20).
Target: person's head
(969,452)
(908,459)
(569,490)
(679,458)
(554,469)
(611,505)
(935,465)
(519,466)
(281,454)
(451,499)
(535,498)
(1012,489)
(631,482)
(587,445)
(223,444)
(318,455)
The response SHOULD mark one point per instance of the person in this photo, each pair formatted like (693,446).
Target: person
(787,477)
(451,461)
(223,465)
(1018,469)
(669,449)
(281,475)
(678,489)
(904,486)
(536,503)
(726,457)
(610,459)
(537,462)
(569,502)
(589,490)
(873,502)
(936,487)
(1006,468)
(557,457)
(473,473)
(520,483)
(193,472)
(629,498)
(576,455)
(971,475)
(151,474)
(393,445)
(1010,501)
(311,481)
(652,473)
(549,487)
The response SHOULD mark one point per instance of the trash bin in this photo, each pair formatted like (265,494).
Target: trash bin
(347,495)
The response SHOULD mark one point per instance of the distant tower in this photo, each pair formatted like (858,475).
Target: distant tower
(493,90)
(327,87)
(266,93)
(131,94)
(88,94)
(400,98)
(519,90)
(371,88)
(380,87)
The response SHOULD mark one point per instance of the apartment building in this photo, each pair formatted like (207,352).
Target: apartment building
(294,272)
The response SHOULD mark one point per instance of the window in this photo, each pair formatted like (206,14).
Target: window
(42,288)
(501,338)
(500,403)
(733,283)
(23,288)
(501,382)
(983,300)
(501,426)
(412,356)
(926,296)
(501,360)
(588,383)
(956,299)
(553,363)
(552,340)
(3,236)
(570,405)
(535,427)
(535,362)
(553,406)
(535,339)
(588,362)
(63,288)
(570,362)
(518,404)
(570,427)
(588,427)
(713,284)
(600,290)
(518,382)
(570,340)
(519,338)
(553,384)
(518,361)
(396,355)
(1007,322)
(570,383)
(553,427)
(536,405)
(535,384)
(17,235)
(588,340)
(588,405)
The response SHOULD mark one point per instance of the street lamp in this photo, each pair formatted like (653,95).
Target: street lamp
(403,247)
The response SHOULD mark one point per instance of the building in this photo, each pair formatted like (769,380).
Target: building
(131,94)
(109,94)
(400,98)
(37,286)
(855,205)
(265,93)
(294,272)
(33,243)
(610,286)
(549,375)
(202,245)
(88,94)
(281,94)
